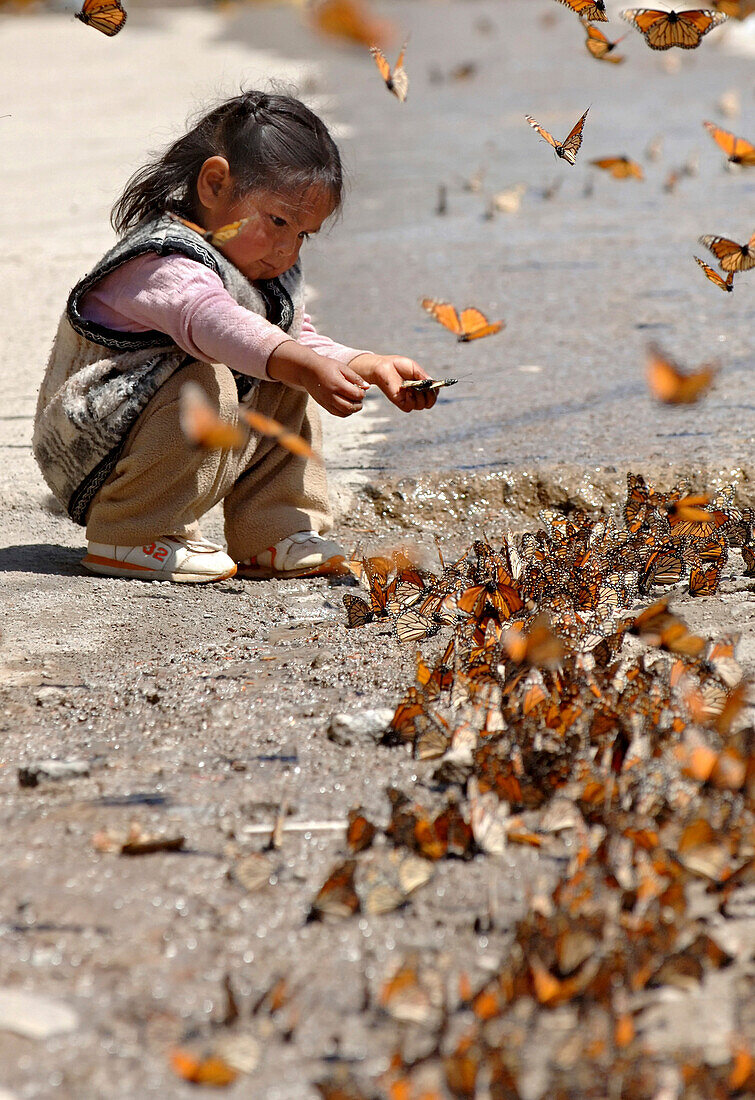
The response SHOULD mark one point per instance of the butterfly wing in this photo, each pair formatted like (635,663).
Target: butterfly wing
(670,385)
(474,324)
(358,611)
(422,384)
(726,284)
(593,10)
(692,26)
(226,233)
(444,313)
(266,425)
(543,132)
(600,47)
(380,60)
(106,16)
(201,424)
(573,142)
(730,255)
(621,168)
(399,83)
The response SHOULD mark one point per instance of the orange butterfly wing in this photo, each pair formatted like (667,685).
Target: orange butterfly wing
(620,167)
(107,16)
(201,424)
(737,149)
(226,233)
(726,284)
(543,132)
(380,60)
(600,47)
(594,10)
(669,385)
(444,313)
(266,425)
(661,32)
(730,255)
(475,324)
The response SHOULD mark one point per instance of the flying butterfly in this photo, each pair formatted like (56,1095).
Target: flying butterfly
(593,10)
(203,427)
(470,324)
(421,385)
(107,16)
(727,284)
(601,48)
(730,255)
(737,149)
(396,81)
(349,19)
(664,29)
(570,147)
(215,237)
(735,9)
(620,168)
(671,385)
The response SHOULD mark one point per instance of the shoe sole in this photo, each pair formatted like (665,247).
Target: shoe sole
(333,567)
(107,567)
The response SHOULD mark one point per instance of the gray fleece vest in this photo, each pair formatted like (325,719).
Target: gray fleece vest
(98,380)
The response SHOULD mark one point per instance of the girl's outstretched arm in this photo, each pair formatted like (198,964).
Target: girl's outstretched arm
(387,372)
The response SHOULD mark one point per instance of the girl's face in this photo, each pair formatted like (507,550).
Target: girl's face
(277,227)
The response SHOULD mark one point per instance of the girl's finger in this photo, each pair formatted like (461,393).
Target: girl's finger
(343,407)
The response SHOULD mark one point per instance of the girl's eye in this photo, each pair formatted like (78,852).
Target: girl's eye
(278,221)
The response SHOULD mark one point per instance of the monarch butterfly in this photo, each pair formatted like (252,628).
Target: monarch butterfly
(201,424)
(538,648)
(730,255)
(570,147)
(360,832)
(267,426)
(396,81)
(413,626)
(107,16)
(748,557)
(350,19)
(470,324)
(594,10)
(664,29)
(358,612)
(735,9)
(668,384)
(737,150)
(621,168)
(337,896)
(420,385)
(213,1071)
(704,582)
(600,47)
(215,237)
(727,284)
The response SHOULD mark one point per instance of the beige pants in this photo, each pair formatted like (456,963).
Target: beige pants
(162,484)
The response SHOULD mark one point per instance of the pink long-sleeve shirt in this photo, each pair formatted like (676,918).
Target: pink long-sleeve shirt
(188,302)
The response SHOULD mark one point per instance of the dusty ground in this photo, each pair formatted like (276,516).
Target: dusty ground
(202,710)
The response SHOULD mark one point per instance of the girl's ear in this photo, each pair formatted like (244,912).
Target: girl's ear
(213,182)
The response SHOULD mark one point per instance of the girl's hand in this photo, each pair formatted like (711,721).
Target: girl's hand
(338,388)
(387,372)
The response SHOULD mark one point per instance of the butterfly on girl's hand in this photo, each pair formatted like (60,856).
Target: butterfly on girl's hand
(422,385)
(730,255)
(396,81)
(672,386)
(470,324)
(621,168)
(726,284)
(570,147)
(202,426)
(664,29)
(107,16)
(215,237)
(591,10)
(600,47)
(738,151)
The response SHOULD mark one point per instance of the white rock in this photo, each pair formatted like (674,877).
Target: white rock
(361,723)
(30,775)
(33,1015)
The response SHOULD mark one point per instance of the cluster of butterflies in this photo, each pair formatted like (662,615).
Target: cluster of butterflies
(557,717)
(578,570)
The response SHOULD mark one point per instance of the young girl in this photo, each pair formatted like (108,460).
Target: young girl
(165,307)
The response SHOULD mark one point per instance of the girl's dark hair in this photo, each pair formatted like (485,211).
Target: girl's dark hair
(271,142)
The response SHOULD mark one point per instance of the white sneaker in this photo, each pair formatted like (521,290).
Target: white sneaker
(304,554)
(169,558)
